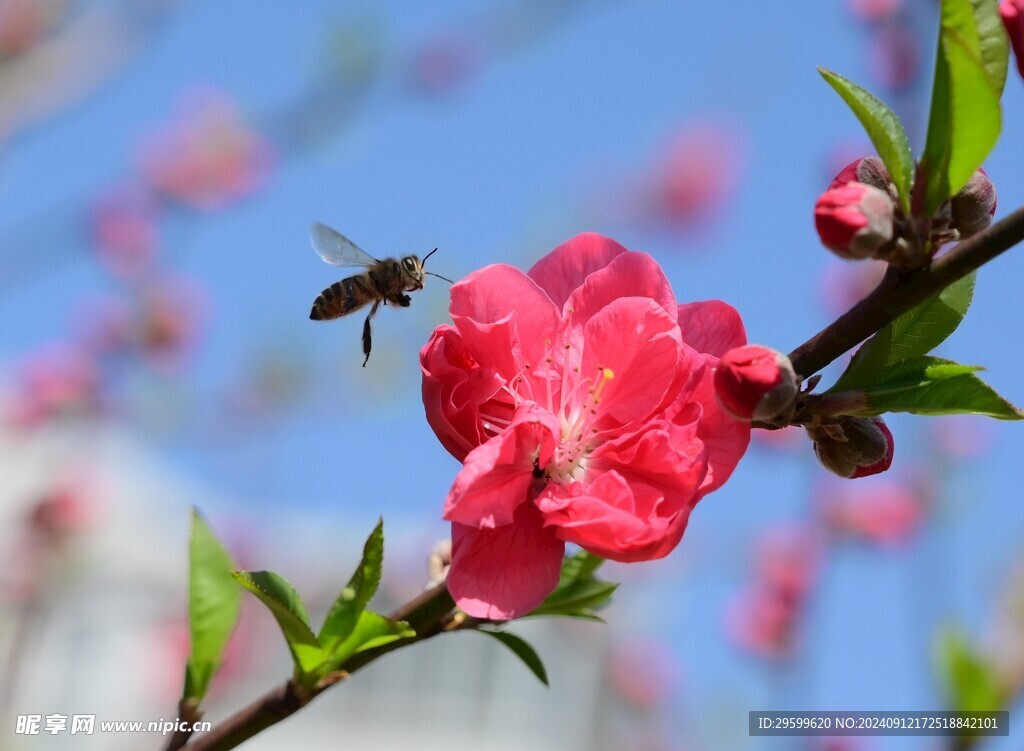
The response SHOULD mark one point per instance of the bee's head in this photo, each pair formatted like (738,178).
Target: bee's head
(412,272)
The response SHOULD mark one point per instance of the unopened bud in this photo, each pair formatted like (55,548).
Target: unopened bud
(855,220)
(755,383)
(868,170)
(974,206)
(853,447)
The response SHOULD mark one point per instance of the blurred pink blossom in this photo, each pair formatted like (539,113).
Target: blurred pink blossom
(788,559)
(895,56)
(58,379)
(444,64)
(69,507)
(643,671)
(696,174)
(764,618)
(170,320)
(124,230)
(207,157)
(873,10)
(762,624)
(103,325)
(22,24)
(883,512)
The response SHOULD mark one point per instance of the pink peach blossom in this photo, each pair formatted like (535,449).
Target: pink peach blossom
(895,56)
(643,671)
(23,23)
(788,560)
(58,379)
(696,174)
(208,157)
(124,230)
(873,10)
(885,512)
(444,64)
(170,320)
(579,399)
(762,624)
(764,618)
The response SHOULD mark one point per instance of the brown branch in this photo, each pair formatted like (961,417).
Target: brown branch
(900,291)
(424,614)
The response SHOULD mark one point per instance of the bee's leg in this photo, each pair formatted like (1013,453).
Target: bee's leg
(401,300)
(367,338)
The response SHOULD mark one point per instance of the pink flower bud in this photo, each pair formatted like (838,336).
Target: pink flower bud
(755,383)
(1012,12)
(974,206)
(853,447)
(868,170)
(855,220)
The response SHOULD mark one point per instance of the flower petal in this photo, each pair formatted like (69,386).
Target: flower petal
(628,275)
(637,505)
(506,572)
(639,343)
(454,387)
(507,321)
(600,519)
(711,326)
(564,269)
(497,475)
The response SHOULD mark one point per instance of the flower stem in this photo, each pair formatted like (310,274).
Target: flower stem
(425,614)
(899,291)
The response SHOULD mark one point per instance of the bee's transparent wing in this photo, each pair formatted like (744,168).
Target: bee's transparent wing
(336,249)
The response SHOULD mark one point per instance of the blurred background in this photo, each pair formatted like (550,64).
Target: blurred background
(160,164)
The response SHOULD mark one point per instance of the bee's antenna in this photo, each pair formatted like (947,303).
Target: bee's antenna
(428,255)
(439,276)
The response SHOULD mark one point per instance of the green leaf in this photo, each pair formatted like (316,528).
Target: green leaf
(975,112)
(970,681)
(965,117)
(344,613)
(286,605)
(993,43)
(933,386)
(579,567)
(370,631)
(579,599)
(521,649)
(917,332)
(214,604)
(884,130)
(578,592)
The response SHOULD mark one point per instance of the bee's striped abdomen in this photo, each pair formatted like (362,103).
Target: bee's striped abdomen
(341,298)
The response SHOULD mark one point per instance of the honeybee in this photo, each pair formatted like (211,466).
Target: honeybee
(384,281)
